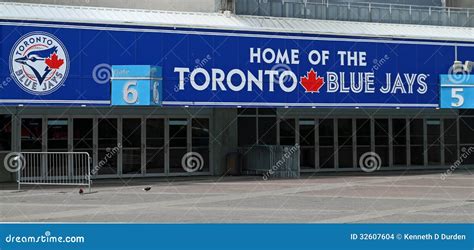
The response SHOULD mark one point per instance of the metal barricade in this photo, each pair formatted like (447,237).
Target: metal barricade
(54,168)
(272,161)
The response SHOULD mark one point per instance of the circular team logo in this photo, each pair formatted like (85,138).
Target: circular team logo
(39,63)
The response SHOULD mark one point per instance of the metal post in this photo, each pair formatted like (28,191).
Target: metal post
(18,174)
(89,172)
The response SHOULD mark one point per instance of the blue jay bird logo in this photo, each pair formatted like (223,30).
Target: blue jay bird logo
(39,63)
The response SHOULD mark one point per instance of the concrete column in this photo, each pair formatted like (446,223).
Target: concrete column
(223,137)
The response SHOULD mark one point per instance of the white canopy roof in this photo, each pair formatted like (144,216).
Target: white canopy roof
(61,13)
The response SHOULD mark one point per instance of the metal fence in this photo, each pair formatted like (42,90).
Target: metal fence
(54,168)
(272,161)
(359,12)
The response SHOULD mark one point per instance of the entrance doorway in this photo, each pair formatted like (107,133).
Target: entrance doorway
(123,146)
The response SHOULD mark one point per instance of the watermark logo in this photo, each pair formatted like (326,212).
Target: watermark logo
(457,76)
(199,63)
(370,162)
(14,162)
(111,152)
(378,63)
(6,81)
(192,162)
(102,73)
(39,63)
(281,68)
(47,237)
(289,151)
(465,153)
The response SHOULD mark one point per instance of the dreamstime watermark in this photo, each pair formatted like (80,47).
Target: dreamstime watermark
(14,162)
(281,68)
(111,152)
(46,238)
(289,151)
(199,63)
(378,63)
(192,162)
(457,77)
(370,162)
(102,73)
(465,153)
(6,81)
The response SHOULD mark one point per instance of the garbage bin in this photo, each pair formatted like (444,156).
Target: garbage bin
(234,163)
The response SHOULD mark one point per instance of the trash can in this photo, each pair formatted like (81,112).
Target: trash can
(234,163)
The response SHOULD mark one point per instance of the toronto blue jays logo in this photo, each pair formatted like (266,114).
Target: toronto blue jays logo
(39,63)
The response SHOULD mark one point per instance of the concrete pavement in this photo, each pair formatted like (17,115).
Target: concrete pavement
(342,198)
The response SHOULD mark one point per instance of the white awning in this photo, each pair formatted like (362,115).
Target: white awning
(80,14)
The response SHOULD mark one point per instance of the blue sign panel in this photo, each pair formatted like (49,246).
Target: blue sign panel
(220,68)
(135,85)
(457,91)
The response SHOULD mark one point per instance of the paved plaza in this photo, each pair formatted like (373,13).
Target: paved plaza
(343,198)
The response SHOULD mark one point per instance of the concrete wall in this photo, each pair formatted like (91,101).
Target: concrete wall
(173,5)
(460,3)
(5,176)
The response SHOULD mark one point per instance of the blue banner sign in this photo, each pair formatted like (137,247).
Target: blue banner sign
(236,236)
(136,85)
(457,91)
(54,63)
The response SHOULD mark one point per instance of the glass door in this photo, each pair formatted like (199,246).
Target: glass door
(382,140)
(178,144)
(82,135)
(83,139)
(399,141)
(417,142)
(57,131)
(155,145)
(345,151)
(57,135)
(326,143)
(108,147)
(5,136)
(31,135)
(131,145)
(433,133)
(307,143)
(363,137)
(32,141)
(287,132)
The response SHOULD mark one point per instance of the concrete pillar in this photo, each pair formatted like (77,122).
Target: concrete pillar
(223,137)
(5,176)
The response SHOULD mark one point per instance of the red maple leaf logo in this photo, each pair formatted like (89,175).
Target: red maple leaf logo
(312,82)
(54,62)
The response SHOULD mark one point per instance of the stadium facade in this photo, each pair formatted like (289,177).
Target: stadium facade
(152,86)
